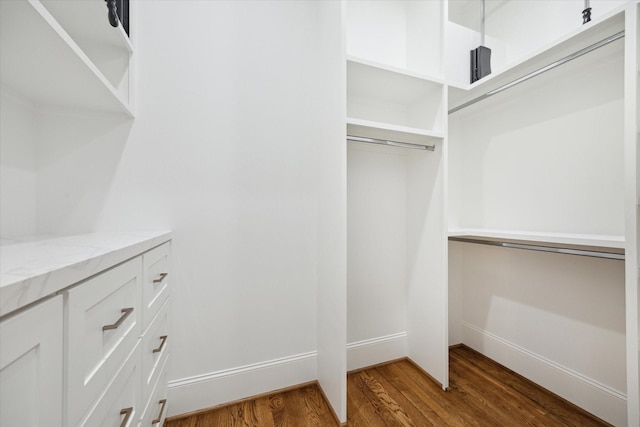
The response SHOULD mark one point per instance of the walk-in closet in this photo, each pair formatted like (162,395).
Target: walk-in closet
(207,202)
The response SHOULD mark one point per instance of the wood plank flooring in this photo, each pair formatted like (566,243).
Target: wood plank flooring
(481,393)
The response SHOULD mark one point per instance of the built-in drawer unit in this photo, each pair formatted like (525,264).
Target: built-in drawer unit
(103,325)
(74,352)
(157,406)
(155,349)
(155,286)
(120,405)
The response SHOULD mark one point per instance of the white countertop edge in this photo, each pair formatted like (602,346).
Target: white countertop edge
(35,268)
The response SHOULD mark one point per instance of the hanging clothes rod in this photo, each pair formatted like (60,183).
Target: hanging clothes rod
(542,70)
(542,248)
(391,143)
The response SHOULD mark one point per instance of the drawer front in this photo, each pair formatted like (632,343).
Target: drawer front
(120,405)
(30,361)
(157,407)
(102,327)
(155,348)
(155,286)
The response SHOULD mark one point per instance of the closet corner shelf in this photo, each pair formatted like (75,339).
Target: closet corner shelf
(606,246)
(593,32)
(394,69)
(93,26)
(385,131)
(42,62)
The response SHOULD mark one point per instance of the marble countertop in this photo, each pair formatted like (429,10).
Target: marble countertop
(34,268)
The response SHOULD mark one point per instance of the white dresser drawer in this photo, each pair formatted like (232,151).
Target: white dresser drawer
(102,327)
(157,407)
(155,286)
(155,349)
(120,405)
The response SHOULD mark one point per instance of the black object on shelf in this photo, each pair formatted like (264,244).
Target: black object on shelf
(480,63)
(480,56)
(118,11)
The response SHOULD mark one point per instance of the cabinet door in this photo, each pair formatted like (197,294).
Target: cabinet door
(31,367)
(103,326)
(155,286)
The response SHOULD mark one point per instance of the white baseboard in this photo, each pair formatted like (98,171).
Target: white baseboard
(215,388)
(597,398)
(377,350)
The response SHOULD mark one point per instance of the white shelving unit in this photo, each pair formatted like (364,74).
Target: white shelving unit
(551,162)
(47,65)
(388,103)
(395,204)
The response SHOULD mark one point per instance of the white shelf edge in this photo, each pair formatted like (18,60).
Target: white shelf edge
(608,241)
(397,70)
(57,28)
(541,51)
(394,128)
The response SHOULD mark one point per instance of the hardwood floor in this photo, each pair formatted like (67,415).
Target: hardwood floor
(299,407)
(481,393)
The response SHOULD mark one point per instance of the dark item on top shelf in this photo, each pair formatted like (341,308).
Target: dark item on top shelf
(480,56)
(480,63)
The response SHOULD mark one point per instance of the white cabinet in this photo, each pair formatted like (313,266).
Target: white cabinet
(81,356)
(31,366)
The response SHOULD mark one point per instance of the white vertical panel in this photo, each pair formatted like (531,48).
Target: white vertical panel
(631,212)
(329,135)
(427,323)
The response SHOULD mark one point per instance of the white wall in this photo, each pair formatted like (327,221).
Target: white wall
(377,254)
(18,133)
(377,236)
(224,153)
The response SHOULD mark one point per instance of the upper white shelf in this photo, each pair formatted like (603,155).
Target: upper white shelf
(43,63)
(94,25)
(392,96)
(588,34)
(612,242)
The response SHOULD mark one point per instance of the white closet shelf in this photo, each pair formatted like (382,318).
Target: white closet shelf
(396,97)
(586,35)
(41,62)
(603,242)
(392,69)
(385,131)
(94,24)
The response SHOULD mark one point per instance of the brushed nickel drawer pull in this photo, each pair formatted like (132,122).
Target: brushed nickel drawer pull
(157,420)
(162,276)
(127,414)
(125,313)
(164,340)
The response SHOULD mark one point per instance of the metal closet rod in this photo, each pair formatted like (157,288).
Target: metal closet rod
(566,251)
(539,71)
(391,143)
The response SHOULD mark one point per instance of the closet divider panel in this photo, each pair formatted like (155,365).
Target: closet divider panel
(427,295)
(632,195)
